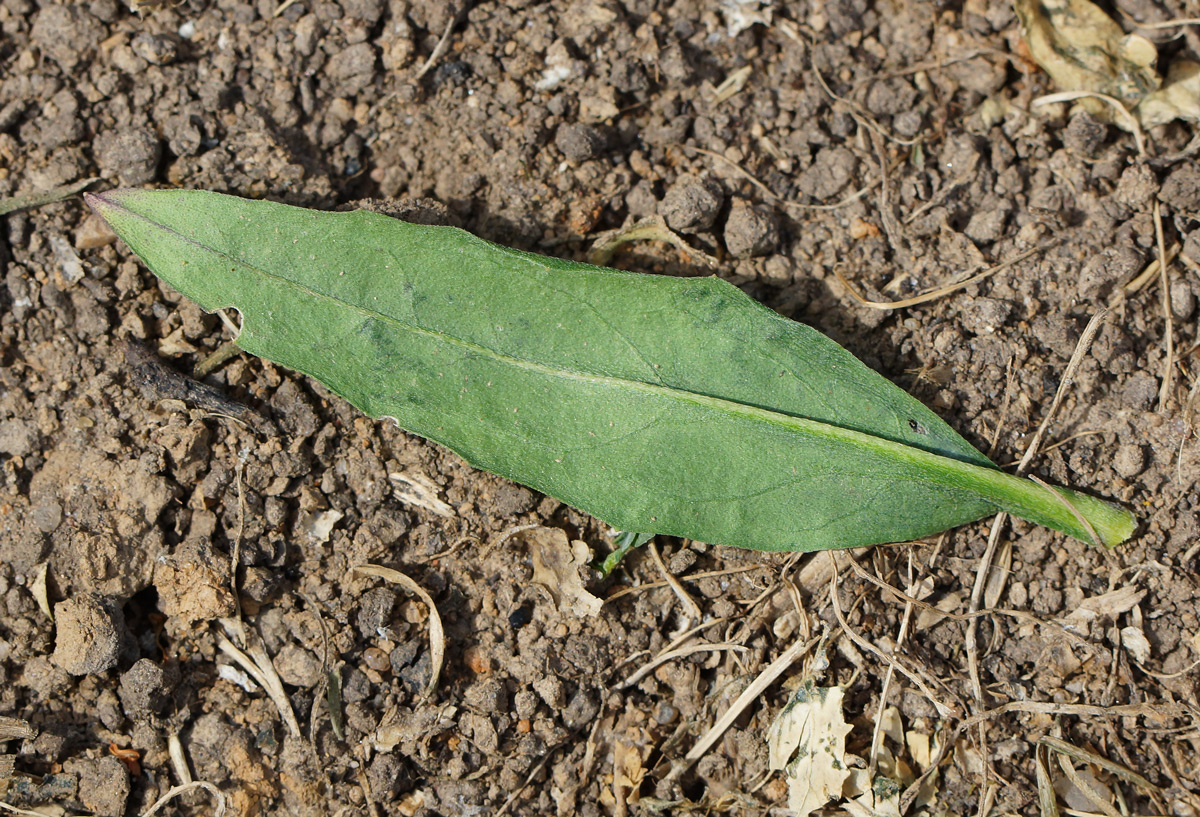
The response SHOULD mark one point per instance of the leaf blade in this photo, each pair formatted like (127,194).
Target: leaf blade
(640,399)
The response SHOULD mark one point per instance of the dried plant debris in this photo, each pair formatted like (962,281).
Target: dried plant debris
(11,729)
(808,742)
(1083,49)
(557,562)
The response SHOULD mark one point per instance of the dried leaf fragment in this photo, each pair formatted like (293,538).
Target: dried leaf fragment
(1083,49)
(808,741)
(556,565)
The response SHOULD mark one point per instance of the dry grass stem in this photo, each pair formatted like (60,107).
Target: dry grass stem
(442,44)
(258,664)
(1010,379)
(695,577)
(437,636)
(886,215)
(235,552)
(541,764)
(1164,268)
(1084,788)
(17,810)
(653,228)
(914,675)
(1047,797)
(765,678)
(364,782)
(1131,123)
(691,611)
(766,191)
(26,201)
(732,85)
(1020,615)
(941,292)
(179,762)
(681,652)
(877,732)
(857,111)
(504,536)
(1161,711)
(971,638)
(176,791)
(1081,348)
(1084,756)
(326,665)
(214,361)
(1182,21)
(1150,273)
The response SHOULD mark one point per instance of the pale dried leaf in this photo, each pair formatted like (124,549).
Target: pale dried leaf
(919,748)
(1179,98)
(556,565)
(40,590)
(1108,605)
(1083,49)
(742,14)
(416,489)
(176,344)
(892,725)
(317,525)
(1076,798)
(881,799)
(949,603)
(808,741)
(998,577)
(1136,643)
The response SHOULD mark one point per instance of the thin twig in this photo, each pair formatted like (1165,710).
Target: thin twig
(692,612)
(877,734)
(766,191)
(443,43)
(175,791)
(437,636)
(1164,267)
(178,759)
(971,637)
(263,671)
(1133,126)
(1147,275)
(934,294)
(765,678)
(681,652)
(695,577)
(541,764)
(364,782)
(943,709)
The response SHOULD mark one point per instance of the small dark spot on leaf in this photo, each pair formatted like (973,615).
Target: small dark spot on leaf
(917,427)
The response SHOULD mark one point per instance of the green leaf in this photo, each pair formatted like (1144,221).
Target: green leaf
(666,405)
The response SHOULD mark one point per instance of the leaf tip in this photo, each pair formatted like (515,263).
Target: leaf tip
(108,200)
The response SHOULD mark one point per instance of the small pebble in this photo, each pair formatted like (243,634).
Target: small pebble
(692,204)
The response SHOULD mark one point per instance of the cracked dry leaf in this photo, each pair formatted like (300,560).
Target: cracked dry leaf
(556,565)
(1178,98)
(808,741)
(1083,49)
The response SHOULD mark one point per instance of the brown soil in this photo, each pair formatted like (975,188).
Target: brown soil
(539,126)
